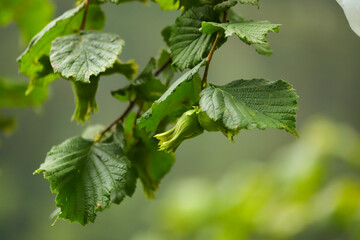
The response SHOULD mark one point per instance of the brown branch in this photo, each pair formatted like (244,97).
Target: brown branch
(161,68)
(209,57)
(83,22)
(130,107)
(119,119)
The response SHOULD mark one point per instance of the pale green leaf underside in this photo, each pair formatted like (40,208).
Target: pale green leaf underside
(188,45)
(249,104)
(85,54)
(250,32)
(84,174)
(180,96)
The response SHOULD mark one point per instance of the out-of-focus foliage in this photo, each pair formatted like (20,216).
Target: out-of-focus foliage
(308,190)
(30,15)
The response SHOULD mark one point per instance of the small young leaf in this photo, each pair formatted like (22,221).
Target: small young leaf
(180,96)
(188,45)
(83,174)
(85,54)
(249,104)
(250,32)
(168,72)
(145,87)
(85,99)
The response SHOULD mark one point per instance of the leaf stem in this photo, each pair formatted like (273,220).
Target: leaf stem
(161,68)
(119,119)
(83,22)
(209,57)
(130,107)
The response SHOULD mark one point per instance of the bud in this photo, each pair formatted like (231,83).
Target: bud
(187,126)
(211,126)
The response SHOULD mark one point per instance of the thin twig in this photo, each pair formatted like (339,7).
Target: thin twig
(209,57)
(130,107)
(83,22)
(161,68)
(119,119)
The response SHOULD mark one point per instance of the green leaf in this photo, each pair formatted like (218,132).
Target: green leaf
(87,53)
(12,94)
(188,45)
(128,69)
(151,165)
(166,34)
(131,176)
(145,87)
(225,5)
(30,62)
(180,96)
(120,1)
(85,99)
(168,4)
(249,104)
(30,15)
(83,174)
(253,2)
(250,32)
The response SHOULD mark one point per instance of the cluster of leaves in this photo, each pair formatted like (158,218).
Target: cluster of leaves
(101,167)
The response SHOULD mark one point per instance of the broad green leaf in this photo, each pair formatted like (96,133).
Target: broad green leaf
(83,174)
(30,62)
(128,69)
(85,99)
(180,96)
(249,104)
(151,165)
(250,32)
(188,45)
(87,53)
(145,87)
(12,94)
(30,15)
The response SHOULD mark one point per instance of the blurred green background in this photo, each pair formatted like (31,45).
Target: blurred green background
(268,185)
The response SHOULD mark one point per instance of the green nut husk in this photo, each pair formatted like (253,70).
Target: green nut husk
(187,126)
(212,126)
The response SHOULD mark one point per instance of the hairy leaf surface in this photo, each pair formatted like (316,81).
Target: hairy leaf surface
(249,104)
(180,96)
(83,175)
(188,45)
(87,53)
